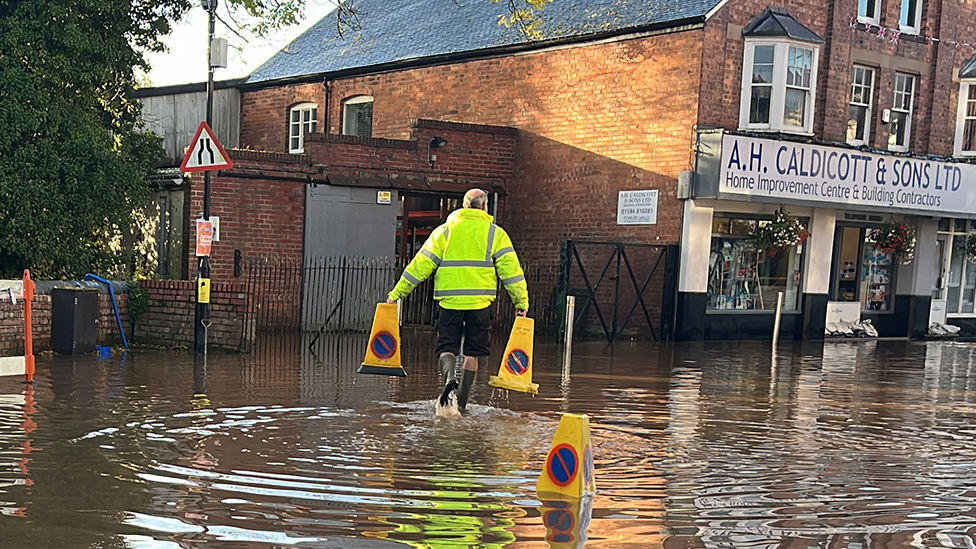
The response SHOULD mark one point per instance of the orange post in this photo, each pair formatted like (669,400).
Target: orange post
(28,334)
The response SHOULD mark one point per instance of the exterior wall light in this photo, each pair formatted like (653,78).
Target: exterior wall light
(434,143)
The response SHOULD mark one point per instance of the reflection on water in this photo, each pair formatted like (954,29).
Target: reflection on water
(848,444)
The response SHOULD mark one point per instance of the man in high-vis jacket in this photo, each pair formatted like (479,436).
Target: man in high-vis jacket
(466,252)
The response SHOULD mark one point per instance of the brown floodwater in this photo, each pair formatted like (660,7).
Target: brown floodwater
(853,444)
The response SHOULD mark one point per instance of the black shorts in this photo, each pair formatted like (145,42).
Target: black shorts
(473,324)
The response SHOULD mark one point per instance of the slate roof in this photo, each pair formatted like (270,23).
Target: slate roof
(778,22)
(399,31)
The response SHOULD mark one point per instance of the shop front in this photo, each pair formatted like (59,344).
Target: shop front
(825,231)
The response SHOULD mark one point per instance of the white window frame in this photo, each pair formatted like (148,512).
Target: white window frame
(967,98)
(897,105)
(868,90)
(914,23)
(348,125)
(777,102)
(869,17)
(307,123)
(950,235)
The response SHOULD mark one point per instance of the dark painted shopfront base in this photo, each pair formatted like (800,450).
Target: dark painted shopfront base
(967,327)
(909,317)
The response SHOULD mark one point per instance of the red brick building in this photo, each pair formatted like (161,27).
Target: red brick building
(626,96)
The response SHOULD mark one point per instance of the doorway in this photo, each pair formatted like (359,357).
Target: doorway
(861,272)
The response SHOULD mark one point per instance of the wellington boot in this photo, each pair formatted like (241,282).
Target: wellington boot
(448,363)
(466,383)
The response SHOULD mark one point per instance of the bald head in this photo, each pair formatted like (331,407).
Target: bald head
(476,199)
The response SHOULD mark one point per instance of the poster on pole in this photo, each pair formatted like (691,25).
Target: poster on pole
(205,231)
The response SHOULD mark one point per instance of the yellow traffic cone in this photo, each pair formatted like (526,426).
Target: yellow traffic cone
(569,466)
(515,372)
(383,351)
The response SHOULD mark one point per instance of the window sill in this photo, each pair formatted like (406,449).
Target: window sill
(748,312)
(766,129)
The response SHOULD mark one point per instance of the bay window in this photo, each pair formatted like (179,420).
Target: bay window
(966,120)
(779,86)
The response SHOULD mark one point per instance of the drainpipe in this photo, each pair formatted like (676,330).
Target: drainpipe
(328,95)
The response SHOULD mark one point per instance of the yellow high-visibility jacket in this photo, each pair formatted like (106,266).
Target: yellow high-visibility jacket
(466,251)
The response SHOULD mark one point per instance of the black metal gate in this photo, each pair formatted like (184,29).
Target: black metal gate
(640,276)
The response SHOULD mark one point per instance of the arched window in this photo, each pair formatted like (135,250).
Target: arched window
(302,119)
(357,116)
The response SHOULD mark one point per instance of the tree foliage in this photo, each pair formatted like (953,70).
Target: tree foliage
(271,15)
(72,155)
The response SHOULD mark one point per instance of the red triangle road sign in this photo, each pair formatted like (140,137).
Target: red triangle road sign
(205,152)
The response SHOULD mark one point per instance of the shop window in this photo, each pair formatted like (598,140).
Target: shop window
(778,87)
(859,117)
(863,272)
(357,116)
(867,11)
(303,119)
(966,121)
(743,278)
(911,16)
(957,277)
(901,113)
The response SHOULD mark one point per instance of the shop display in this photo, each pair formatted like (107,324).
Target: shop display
(733,278)
(876,278)
(741,277)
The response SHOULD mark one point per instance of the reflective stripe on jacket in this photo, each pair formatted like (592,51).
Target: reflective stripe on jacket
(466,251)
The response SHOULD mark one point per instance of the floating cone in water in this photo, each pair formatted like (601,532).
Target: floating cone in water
(569,466)
(383,352)
(515,372)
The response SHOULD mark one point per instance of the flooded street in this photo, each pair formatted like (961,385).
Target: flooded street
(844,444)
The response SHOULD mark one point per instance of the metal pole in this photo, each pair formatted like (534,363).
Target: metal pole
(568,352)
(570,314)
(779,314)
(203,271)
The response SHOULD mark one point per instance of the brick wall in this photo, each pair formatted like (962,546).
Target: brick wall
(172,307)
(936,94)
(261,206)
(12,323)
(593,120)
(474,155)
(264,116)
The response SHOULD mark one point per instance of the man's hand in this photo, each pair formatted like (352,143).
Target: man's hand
(521,312)
(388,300)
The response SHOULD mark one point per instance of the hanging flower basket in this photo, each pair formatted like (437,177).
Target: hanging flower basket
(780,233)
(971,247)
(896,238)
